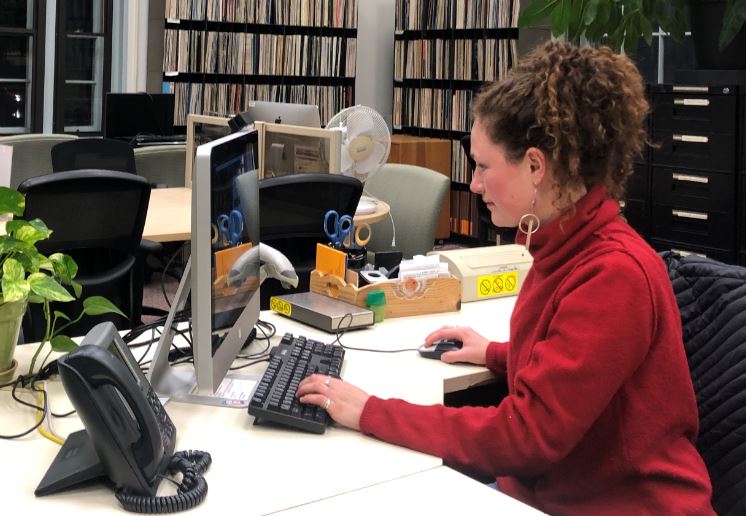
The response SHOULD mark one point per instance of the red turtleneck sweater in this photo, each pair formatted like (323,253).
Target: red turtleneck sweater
(601,416)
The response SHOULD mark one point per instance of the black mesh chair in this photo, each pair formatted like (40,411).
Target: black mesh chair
(97,217)
(93,153)
(291,218)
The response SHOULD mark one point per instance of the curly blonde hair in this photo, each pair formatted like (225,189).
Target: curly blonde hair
(585,108)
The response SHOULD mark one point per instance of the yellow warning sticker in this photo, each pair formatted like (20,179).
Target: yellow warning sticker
(280,306)
(496,284)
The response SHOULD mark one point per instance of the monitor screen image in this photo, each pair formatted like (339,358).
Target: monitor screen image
(127,115)
(225,226)
(281,113)
(222,315)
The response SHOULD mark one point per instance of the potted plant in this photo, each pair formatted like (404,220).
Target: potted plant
(27,276)
(626,21)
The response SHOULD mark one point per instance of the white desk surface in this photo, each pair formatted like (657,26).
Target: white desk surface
(169,217)
(264,469)
(439,490)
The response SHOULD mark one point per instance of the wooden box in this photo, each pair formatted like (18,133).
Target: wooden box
(432,153)
(402,298)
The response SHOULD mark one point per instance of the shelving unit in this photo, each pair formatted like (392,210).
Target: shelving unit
(689,191)
(696,170)
(220,54)
(444,50)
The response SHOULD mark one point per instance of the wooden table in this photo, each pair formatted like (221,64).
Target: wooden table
(169,216)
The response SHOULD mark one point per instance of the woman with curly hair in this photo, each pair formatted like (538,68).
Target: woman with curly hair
(600,416)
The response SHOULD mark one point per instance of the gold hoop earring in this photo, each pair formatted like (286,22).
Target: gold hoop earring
(529,223)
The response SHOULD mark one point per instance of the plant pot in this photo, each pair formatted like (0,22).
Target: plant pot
(706,23)
(7,375)
(10,325)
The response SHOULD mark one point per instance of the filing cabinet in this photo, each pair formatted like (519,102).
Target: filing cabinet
(696,189)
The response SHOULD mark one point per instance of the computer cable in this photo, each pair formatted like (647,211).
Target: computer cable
(191,492)
(28,383)
(341,332)
(393,225)
(165,272)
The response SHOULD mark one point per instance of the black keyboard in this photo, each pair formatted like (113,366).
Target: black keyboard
(292,360)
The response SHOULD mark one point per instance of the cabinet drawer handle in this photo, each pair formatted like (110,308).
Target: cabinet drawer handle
(687,253)
(691,179)
(690,214)
(691,102)
(691,138)
(692,89)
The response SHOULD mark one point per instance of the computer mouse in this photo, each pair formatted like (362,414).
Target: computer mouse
(440,347)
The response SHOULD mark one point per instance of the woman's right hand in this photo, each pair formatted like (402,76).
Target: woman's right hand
(473,349)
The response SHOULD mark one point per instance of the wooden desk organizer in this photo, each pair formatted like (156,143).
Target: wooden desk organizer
(410,297)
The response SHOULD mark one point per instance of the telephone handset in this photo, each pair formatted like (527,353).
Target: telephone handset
(128,435)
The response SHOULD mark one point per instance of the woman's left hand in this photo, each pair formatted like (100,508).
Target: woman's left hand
(343,401)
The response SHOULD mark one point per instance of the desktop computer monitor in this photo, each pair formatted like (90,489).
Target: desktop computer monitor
(281,113)
(127,115)
(225,225)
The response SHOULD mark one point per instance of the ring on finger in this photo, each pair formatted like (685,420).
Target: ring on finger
(327,381)
(326,404)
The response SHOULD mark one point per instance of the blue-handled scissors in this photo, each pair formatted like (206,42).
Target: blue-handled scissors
(340,227)
(230,228)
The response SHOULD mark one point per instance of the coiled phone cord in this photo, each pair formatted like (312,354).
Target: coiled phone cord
(192,490)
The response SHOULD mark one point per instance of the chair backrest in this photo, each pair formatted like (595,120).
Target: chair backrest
(93,153)
(415,196)
(712,301)
(161,165)
(96,216)
(32,154)
(291,218)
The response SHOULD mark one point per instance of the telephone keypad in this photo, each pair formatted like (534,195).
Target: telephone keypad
(164,422)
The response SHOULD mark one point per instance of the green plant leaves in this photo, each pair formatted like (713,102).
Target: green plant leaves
(64,268)
(98,305)
(29,231)
(11,201)
(63,343)
(48,288)
(14,284)
(623,21)
(733,19)
(537,12)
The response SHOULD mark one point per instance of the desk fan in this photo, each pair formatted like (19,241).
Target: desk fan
(366,142)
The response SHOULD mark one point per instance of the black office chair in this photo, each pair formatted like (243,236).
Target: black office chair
(97,217)
(93,153)
(484,217)
(712,300)
(291,218)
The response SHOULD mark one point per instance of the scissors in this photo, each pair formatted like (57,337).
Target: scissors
(340,227)
(355,231)
(229,229)
(344,230)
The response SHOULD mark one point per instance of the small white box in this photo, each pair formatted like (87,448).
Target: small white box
(488,272)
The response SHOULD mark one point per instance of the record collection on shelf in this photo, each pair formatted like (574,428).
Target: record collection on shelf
(444,51)
(220,54)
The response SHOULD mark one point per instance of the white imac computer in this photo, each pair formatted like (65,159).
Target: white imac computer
(223,274)
(306,115)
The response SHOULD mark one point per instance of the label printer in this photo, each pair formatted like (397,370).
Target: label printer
(487,272)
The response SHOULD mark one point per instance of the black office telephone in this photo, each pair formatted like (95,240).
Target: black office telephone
(128,435)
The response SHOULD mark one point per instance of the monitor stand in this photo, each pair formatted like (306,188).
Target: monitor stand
(180,383)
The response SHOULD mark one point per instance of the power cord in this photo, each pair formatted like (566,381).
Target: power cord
(339,333)
(393,225)
(191,491)
(28,383)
